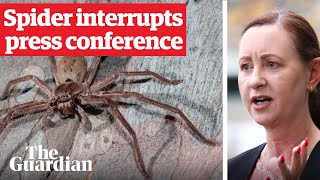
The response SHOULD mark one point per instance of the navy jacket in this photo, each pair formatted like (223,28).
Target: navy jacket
(241,167)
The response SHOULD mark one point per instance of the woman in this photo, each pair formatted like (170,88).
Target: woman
(279,60)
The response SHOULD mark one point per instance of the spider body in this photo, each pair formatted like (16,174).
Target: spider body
(75,87)
(67,97)
(71,69)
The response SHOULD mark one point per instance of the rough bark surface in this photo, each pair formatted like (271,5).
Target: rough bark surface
(169,149)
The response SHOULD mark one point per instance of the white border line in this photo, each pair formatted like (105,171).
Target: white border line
(225,102)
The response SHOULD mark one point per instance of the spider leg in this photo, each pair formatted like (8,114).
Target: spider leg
(101,84)
(92,70)
(43,86)
(84,119)
(54,70)
(161,105)
(46,120)
(137,152)
(23,109)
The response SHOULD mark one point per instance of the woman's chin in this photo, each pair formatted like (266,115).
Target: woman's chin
(264,120)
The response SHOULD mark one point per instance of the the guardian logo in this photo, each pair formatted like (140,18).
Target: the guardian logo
(40,159)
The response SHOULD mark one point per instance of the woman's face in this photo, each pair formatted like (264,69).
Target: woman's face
(272,78)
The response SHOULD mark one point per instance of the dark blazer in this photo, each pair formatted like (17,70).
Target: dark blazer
(241,167)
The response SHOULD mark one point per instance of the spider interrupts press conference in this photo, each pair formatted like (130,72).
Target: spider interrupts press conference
(129,119)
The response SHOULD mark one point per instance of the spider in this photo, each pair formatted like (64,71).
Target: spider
(76,89)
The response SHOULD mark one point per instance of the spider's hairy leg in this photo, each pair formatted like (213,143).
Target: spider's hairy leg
(137,152)
(21,110)
(163,106)
(84,119)
(54,70)
(43,86)
(92,70)
(107,80)
(46,118)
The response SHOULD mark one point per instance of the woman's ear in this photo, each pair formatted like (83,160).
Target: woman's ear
(314,78)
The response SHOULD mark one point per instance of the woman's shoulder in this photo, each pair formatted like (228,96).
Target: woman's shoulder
(241,166)
(311,169)
(254,152)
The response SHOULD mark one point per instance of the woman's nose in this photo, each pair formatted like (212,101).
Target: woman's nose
(257,79)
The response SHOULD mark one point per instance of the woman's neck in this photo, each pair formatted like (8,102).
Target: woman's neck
(282,140)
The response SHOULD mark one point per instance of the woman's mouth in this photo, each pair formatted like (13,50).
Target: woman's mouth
(260,102)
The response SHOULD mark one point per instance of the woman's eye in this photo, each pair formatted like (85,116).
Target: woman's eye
(272,64)
(245,67)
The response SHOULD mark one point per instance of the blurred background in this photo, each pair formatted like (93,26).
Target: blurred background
(243,132)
